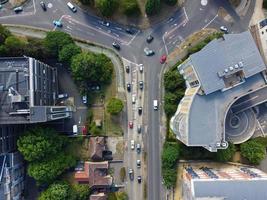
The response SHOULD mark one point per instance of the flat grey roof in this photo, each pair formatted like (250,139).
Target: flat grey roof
(223,53)
(231,189)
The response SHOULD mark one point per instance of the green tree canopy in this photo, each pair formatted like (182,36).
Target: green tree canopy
(114,106)
(90,67)
(173,80)
(39,143)
(224,155)
(55,40)
(81,192)
(4,33)
(45,172)
(56,191)
(130,7)
(106,7)
(170,2)
(253,151)
(15,46)
(68,51)
(152,7)
(35,48)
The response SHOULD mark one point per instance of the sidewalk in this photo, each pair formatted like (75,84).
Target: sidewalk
(258,13)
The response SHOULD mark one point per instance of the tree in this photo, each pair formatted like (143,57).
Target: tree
(253,151)
(169,177)
(67,52)
(45,172)
(106,7)
(130,7)
(152,7)
(90,67)
(55,40)
(87,2)
(4,33)
(170,103)
(114,106)
(35,48)
(225,155)
(173,80)
(15,46)
(122,196)
(170,2)
(81,192)
(56,191)
(39,143)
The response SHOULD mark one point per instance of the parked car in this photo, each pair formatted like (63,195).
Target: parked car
(84,99)
(63,96)
(141,68)
(138,163)
(116,45)
(128,87)
(149,39)
(139,179)
(140,110)
(139,129)
(127,69)
(130,31)
(72,7)
(138,148)
(163,59)
(132,144)
(148,51)
(224,29)
(131,174)
(105,23)
(18,9)
(141,85)
(130,124)
(43,6)
(57,23)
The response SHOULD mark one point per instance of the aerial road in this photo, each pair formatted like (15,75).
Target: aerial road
(193,16)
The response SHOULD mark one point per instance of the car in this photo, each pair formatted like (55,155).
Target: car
(131,174)
(84,99)
(155,104)
(63,96)
(138,163)
(57,23)
(149,39)
(224,29)
(132,144)
(163,59)
(139,179)
(133,99)
(130,31)
(127,69)
(139,129)
(138,148)
(18,9)
(148,52)
(43,6)
(130,124)
(140,110)
(72,7)
(116,45)
(141,85)
(84,130)
(128,87)
(105,23)
(141,68)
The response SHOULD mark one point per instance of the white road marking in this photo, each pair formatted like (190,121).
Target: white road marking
(210,21)
(186,16)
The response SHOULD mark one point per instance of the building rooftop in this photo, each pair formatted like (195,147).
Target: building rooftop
(97,146)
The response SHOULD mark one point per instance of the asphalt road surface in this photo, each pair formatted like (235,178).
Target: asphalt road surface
(194,15)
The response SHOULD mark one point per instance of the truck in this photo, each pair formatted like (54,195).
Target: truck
(155,104)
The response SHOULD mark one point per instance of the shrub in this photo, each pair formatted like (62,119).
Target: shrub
(224,155)
(4,33)
(114,106)
(15,46)
(122,174)
(253,151)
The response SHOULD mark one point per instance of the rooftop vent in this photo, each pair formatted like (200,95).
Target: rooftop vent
(231,68)
(225,70)
(236,66)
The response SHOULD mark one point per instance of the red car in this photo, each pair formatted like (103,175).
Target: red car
(163,58)
(130,124)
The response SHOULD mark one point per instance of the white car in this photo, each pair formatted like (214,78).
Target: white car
(132,144)
(148,51)
(84,99)
(138,163)
(224,29)
(141,68)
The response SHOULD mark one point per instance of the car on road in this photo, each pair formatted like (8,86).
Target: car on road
(128,87)
(57,23)
(138,163)
(105,23)
(133,99)
(224,29)
(148,51)
(139,129)
(72,7)
(63,96)
(149,39)
(155,104)
(139,179)
(131,174)
(43,6)
(140,110)
(163,59)
(129,31)
(18,9)
(130,124)
(141,85)
(138,148)
(141,68)
(132,144)
(84,99)
(127,69)
(116,45)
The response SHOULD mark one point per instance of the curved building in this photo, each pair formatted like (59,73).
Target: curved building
(225,80)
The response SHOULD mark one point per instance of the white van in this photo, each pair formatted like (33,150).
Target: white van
(133,99)
(155,104)
(71,6)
